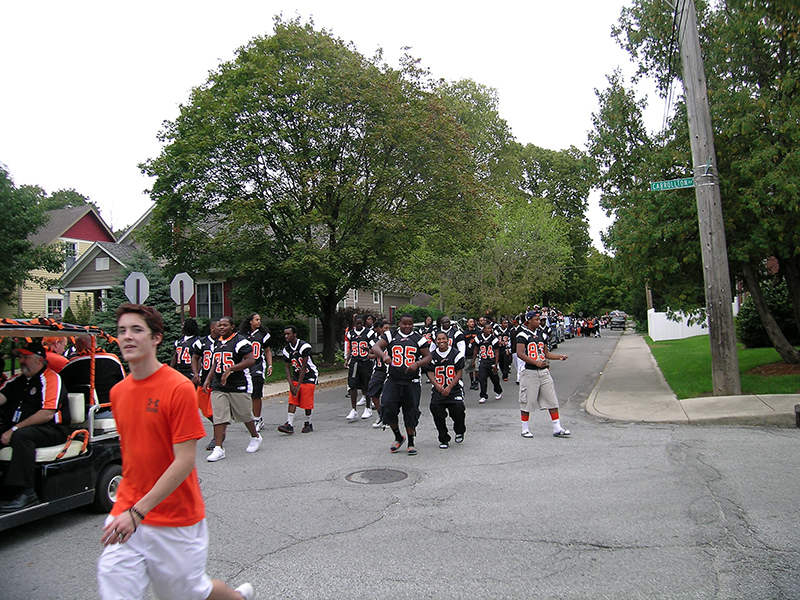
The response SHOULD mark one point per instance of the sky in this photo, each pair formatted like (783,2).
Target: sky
(88,85)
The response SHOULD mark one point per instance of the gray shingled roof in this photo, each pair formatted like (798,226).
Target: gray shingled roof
(61,220)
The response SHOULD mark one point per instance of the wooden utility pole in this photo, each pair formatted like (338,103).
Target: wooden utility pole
(724,360)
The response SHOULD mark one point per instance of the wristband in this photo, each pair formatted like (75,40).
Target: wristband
(14,428)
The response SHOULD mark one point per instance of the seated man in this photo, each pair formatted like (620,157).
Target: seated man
(34,411)
(108,371)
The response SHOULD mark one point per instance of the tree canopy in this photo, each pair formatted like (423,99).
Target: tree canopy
(305,169)
(23,216)
(752,62)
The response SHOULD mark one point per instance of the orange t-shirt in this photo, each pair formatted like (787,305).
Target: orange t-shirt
(152,414)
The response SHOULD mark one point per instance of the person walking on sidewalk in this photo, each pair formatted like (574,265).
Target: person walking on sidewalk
(487,351)
(231,387)
(301,374)
(156,533)
(536,388)
(406,353)
(447,394)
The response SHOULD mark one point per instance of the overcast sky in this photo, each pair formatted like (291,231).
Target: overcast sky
(87,85)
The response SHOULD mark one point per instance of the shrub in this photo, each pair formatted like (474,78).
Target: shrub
(749,328)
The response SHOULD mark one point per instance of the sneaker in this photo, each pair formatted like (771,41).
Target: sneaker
(255,442)
(246,590)
(459,438)
(498,397)
(352,415)
(307,427)
(527,434)
(444,445)
(217,454)
(367,413)
(562,433)
(482,400)
(286,428)
(211,445)
(378,423)
(259,423)
(361,401)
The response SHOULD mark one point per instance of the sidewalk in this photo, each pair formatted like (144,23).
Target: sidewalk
(632,388)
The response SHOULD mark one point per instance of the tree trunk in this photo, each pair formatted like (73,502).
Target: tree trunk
(328,321)
(779,341)
(791,273)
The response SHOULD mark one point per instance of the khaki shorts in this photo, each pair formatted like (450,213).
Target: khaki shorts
(536,390)
(231,407)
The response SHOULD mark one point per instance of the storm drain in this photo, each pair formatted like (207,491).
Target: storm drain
(377,476)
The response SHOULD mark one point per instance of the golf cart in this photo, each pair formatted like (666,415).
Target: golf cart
(85,470)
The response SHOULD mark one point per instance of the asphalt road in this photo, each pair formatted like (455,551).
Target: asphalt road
(617,511)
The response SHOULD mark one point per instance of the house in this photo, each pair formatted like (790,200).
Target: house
(79,228)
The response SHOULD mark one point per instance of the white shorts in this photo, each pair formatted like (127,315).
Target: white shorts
(536,390)
(172,559)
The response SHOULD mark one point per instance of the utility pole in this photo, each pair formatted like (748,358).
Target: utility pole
(724,360)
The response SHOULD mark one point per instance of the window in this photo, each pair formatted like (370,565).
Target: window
(54,308)
(376,297)
(101,263)
(355,297)
(210,301)
(71,252)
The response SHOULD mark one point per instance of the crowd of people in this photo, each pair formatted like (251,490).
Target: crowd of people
(223,373)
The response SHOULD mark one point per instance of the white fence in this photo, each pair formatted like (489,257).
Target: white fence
(660,327)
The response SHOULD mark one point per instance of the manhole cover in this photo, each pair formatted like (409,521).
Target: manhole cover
(377,476)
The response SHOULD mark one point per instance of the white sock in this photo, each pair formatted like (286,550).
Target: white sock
(525,427)
(290,418)
(556,425)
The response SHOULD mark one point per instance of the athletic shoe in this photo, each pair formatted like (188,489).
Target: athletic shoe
(482,400)
(527,434)
(307,427)
(361,401)
(217,454)
(444,445)
(211,445)
(562,433)
(498,397)
(352,415)
(367,413)
(378,423)
(247,591)
(505,378)
(286,428)
(259,423)
(459,438)
(255,442)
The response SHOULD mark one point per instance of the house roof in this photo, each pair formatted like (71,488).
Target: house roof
(121,253)
(129,236)
(61,220)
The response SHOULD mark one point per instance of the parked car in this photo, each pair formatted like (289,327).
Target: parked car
(87,469)
(617,323)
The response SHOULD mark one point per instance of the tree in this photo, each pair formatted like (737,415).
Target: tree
(23,216)
(305,169)
(752,58)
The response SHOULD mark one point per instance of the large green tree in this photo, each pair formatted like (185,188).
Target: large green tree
(305,169)
(23,216)
(752,60)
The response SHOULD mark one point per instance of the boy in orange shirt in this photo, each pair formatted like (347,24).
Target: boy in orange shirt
(156,533)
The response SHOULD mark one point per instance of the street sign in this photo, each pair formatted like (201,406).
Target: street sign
(672,184)
(181,296)
(137,288)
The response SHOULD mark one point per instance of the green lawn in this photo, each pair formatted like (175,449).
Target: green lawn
(686,365)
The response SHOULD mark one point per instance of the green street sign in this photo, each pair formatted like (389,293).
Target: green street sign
(672,184)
